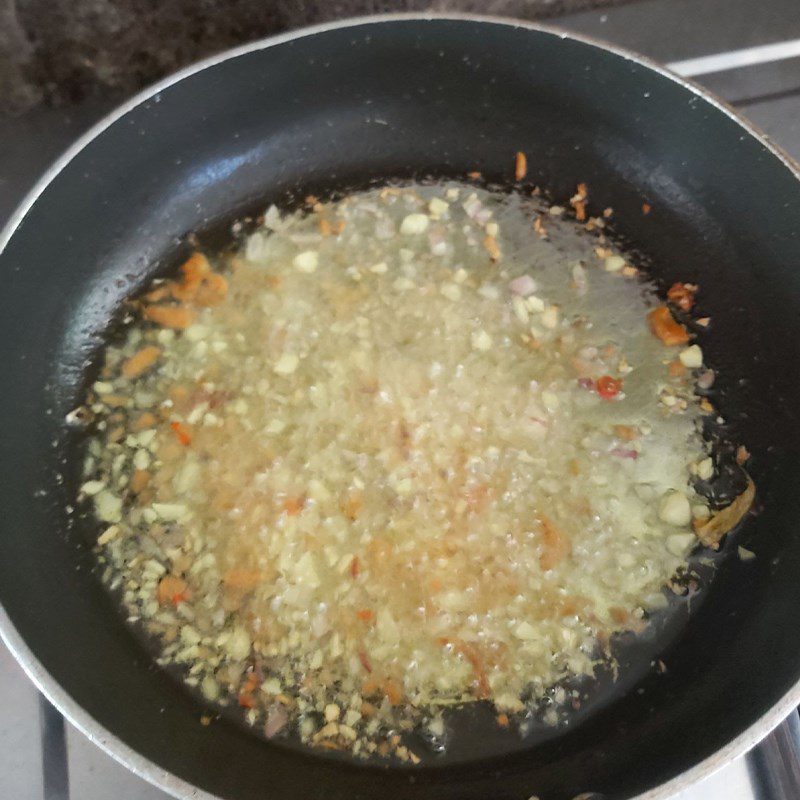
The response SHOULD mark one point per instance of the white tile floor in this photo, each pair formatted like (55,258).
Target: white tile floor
(91,773)
(20,761)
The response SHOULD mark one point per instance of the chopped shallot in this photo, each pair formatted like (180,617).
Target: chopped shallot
(524,285)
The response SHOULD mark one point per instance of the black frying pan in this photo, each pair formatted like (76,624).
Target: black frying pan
(339,107)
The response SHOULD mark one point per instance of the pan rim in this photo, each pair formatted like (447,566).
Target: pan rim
(111,744)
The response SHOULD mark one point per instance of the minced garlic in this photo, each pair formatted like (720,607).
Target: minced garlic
(375,480)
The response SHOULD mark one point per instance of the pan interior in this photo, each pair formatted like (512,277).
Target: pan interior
(342,109)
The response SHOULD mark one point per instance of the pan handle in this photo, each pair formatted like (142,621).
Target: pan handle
(774,763)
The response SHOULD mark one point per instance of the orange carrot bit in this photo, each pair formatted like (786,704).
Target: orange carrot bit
(242,579)
(663,325)
(144,421)
(676,369)
(619,615)
(608,351)
(140,362)
(384,749)
(570,606)
(682,295)
(367,709)
(193,271)
(491,247)
(139,481)
(178,393)
(578,201)
(369,387)
(355,567)
(472,654)
(172,589)
(478,497)
(178,317)
(706,406)
(351,505)
(115,400)
(531,342)
(393,692)
(294,505)
(249,685)
(251,681)
(362,657)
(502,720)
(475,174)
(212,290)
(520,166)
(625,432)
(324,227)
(196,267)
(379,551)
(555,545)
(159,293)
(184,291)
(370,687)
(646,208)
(181,433)
(365,614)
(328,744)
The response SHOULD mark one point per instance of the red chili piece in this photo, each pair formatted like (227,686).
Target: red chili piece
(608,387)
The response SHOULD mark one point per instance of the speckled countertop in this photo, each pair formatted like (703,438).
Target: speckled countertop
(63,51)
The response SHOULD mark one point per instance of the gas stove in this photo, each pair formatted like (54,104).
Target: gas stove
(751,60)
